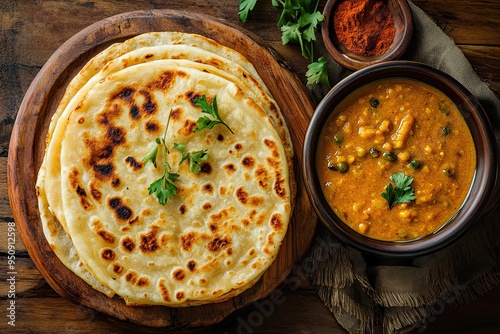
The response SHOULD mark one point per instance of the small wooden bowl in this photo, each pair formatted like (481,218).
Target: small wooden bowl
(403,23)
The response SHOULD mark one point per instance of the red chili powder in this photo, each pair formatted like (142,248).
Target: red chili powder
(365,27)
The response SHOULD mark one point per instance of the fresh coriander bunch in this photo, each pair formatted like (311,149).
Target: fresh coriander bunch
(298,23)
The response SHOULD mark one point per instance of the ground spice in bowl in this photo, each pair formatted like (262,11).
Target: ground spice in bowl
(364,27)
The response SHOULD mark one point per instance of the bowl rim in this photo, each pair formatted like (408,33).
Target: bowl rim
(486,167)
(355,62)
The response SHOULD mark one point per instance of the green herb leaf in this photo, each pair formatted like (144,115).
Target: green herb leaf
(402,193)
(291,33)
(205,122)
(195,160)
(172,176)
(163,187)
(179,147)
(389,195)
(308,23)
(317,73)
(289,10)
(151,156)
(157,188)
(298,22)
(245,7)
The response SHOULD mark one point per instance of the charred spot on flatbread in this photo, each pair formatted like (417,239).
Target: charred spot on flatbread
(133,163)
(149,241)
(108,254)
(218,243)
(127,244)
(179,275)
(121,211)
(248,162)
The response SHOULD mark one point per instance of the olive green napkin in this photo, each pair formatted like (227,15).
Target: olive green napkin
(403,298)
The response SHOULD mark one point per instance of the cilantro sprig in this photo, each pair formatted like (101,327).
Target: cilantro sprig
(245,7)
(164,187)
(318,72)
(401,193)
(298,24)
(206,122)
(195,158)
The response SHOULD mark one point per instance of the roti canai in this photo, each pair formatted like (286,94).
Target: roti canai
(223,227)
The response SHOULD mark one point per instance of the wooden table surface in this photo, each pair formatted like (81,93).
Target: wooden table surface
(31,30)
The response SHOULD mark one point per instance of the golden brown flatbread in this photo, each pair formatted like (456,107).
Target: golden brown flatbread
(222,229)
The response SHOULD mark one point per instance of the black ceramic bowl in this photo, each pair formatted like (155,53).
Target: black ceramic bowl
(483,186)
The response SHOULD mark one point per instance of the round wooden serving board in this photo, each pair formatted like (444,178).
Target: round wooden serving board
(28,144)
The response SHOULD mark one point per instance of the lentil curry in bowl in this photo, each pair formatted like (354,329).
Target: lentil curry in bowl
(389,135)
(392,156)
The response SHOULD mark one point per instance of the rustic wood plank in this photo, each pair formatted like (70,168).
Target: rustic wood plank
(479,317)
(486,62)
(27,277)
(39,315)
(6,229)
(474,31)
(29,40)
(467,22)
(5,212)
(6,220)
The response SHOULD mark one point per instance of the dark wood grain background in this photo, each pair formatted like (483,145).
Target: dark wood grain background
(31,30)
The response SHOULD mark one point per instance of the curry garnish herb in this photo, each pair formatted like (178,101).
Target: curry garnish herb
(402,192)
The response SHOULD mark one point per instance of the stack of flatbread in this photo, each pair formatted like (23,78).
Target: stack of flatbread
(223,227)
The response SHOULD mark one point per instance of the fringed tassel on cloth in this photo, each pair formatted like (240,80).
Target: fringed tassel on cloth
(404,298)
(404,320)
(325,258)
(407,320)
(330,268)
(353,315)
